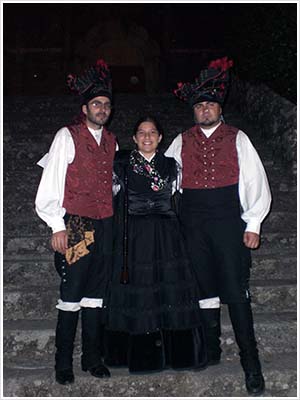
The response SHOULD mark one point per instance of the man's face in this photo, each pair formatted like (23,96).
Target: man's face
(97,111)
(207,113)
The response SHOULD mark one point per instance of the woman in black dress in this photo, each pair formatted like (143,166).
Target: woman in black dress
(154,317)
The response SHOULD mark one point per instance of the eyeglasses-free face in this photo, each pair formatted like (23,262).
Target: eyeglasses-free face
(207,113)
(147,138)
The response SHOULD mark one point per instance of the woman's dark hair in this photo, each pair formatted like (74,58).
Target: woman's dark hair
(148,118)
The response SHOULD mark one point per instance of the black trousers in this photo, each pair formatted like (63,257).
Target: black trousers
(88,277)
(84,286)
(213,231)
(220,260)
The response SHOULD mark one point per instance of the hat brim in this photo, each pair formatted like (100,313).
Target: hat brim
(206,97)
(86,97)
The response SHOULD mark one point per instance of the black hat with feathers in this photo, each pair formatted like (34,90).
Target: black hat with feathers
(211,85)
(94,82)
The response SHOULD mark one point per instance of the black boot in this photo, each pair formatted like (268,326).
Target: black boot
(64,342)
(92,332)
(146,353)
(242,323)
(116,348)
(212,333)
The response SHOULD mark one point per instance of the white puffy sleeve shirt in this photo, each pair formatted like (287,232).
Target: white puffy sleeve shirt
(254,190)
(50,194)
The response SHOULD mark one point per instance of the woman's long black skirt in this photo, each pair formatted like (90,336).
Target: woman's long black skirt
(161,293)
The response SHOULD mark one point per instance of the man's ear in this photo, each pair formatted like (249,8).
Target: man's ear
(159,138)
(84,109)
(134,139)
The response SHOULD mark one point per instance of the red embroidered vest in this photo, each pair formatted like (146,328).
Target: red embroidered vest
(88,187)
(209,162)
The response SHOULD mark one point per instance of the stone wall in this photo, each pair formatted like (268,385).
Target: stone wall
(274,116)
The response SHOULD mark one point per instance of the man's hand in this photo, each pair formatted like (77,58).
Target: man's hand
(251,240)
(59,241)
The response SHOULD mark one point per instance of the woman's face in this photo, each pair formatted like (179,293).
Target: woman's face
(147,138)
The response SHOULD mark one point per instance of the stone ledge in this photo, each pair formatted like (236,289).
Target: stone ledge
(34,339)
(30,303)
(38,271)
(224,379)
(39,246)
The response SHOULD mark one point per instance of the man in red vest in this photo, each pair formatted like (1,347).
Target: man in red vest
(225,198)
(74,198)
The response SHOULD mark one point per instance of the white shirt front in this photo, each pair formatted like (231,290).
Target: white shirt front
(50,194)
(254,190)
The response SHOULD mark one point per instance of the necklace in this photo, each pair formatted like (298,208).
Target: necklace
(147,168)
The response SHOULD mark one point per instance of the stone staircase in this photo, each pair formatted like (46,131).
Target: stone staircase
(30,283)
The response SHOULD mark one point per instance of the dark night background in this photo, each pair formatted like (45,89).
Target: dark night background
(43,42)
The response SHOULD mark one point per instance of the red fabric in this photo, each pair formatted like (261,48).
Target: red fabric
(88,188)
(209,162)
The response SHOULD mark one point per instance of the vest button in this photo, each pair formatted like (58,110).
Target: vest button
(212,177)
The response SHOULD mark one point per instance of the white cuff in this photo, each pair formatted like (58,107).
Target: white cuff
(91,303)
(253,226)
(66,306)
(58,225)
(213,302)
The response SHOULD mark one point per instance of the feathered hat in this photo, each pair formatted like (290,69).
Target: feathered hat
(211,85)
(95,81)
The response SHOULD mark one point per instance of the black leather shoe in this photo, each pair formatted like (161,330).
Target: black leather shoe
(255,383)
(65,376)
(100,371)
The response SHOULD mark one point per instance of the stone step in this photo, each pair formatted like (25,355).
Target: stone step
(61,104)
(283,266)
(35,339)
(21,171)
(29,302)
(38,270)
(277,221)
(278,295)
(53,114)
(226,379)
(31,246)
(31,143)
(20,164)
